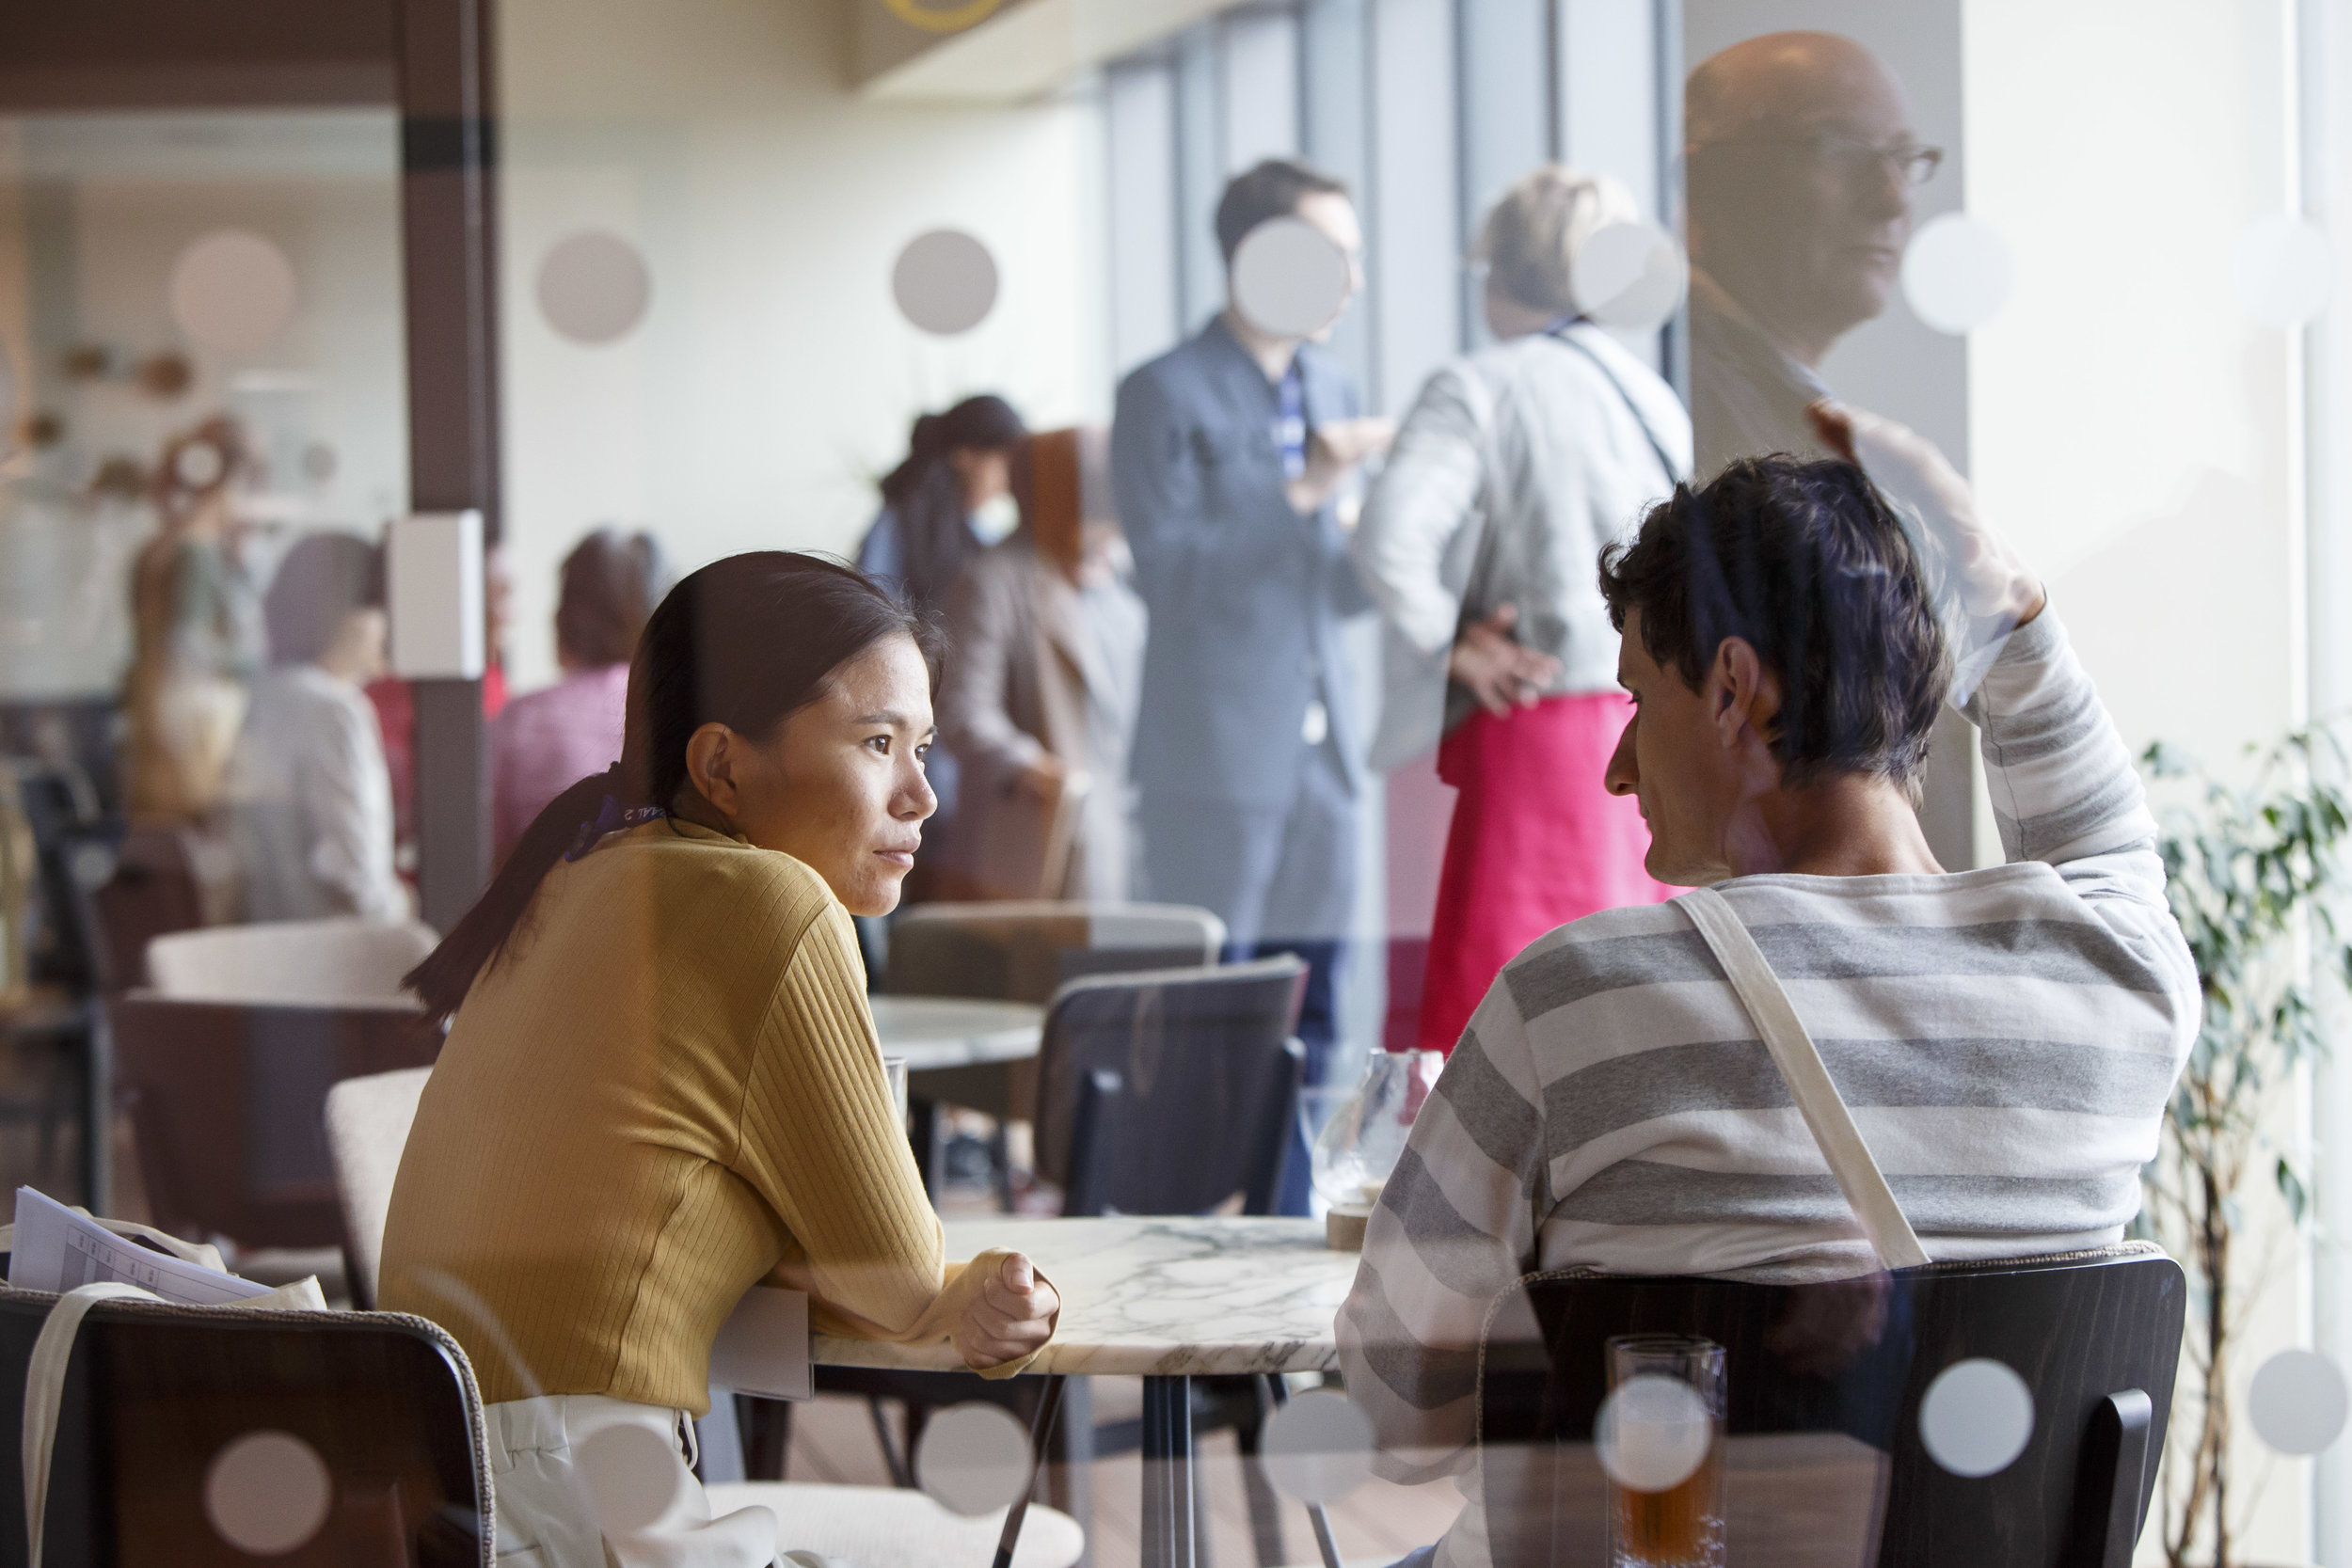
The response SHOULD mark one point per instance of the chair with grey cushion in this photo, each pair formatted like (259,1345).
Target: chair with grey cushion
(1839,1453)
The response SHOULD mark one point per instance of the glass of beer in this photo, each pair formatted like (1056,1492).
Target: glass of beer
(1661,1439)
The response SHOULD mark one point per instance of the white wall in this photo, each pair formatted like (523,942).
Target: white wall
(772,380)
(96,209)
(2134,432)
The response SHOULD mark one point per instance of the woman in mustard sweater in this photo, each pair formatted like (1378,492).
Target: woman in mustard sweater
(662,1083)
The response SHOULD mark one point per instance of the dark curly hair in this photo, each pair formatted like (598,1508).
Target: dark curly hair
(1805,561)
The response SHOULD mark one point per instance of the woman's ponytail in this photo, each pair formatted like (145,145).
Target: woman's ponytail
(745,641)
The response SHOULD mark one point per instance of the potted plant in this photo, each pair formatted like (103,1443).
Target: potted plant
(2252,870)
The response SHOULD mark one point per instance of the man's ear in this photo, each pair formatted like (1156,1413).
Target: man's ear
(710,761)
(1741,694)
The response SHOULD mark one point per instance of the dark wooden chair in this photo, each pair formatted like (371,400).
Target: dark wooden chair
(153,891)
(1825,1385)
(155,1391)
(1169,1093)
(228,1102)
(1023,952)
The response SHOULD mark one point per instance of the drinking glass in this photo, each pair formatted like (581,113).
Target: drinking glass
(895,1070)
(1660,1437)
(1362,1136)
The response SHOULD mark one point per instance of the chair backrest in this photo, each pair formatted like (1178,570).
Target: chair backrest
(155,1393)
(1826,1387)
(61,808)
(367,1126)
(155,890)
(305,962)
(1166,1093)
(1023,951)
(228,1102)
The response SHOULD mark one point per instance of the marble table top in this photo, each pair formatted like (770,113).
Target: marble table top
(1158,1297)
(933,1032)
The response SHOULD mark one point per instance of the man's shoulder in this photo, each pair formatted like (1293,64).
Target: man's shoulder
(1635,945)
(1185,365)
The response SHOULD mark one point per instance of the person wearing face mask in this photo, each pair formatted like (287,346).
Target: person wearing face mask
(310,800)
(1039,703)
(1801,162)
(948,500)
(662,1083)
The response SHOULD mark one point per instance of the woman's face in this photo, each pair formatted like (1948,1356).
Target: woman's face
(840,786)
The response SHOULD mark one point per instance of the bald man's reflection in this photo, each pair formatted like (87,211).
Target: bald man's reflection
(1801,165)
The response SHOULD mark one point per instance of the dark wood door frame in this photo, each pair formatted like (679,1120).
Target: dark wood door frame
(449,234)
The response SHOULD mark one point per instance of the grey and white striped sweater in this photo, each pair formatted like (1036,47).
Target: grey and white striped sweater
(2006,1038)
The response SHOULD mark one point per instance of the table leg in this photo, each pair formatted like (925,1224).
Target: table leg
(1040,1432)
(1323,1544)
(1168,1502)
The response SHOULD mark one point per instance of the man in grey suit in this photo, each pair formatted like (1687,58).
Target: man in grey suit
(1228,455)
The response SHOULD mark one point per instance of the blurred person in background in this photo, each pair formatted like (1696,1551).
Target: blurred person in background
(1519,463)
(947,501)
(310,800)
(1039,703)
(1801,163)
(543,743)
(1229,454)
(196,628)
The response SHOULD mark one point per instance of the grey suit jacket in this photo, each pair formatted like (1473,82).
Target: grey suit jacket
(1246,595)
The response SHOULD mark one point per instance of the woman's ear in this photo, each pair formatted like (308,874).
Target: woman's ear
(711,760)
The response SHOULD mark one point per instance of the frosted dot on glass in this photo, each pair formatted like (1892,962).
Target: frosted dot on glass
(594,287)
(266,1493)
(632,1476)
(1958,273)
(944,283)
(1652,1432)
(1290,278)
(1318,1447)
(1977,1418)
(231,291)
(1630,276)
(974,1458)
(2297,1401)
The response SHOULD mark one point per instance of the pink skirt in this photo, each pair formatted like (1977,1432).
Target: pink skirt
(1538,841)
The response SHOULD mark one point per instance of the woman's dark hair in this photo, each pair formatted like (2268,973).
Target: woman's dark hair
(746,642)
(607,587)
(1804,562)
(320,580)
(925,494)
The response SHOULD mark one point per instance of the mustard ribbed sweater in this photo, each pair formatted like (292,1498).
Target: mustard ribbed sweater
(667,1091)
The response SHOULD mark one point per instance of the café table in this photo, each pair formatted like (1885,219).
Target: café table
(1166,1300)
(958,1051)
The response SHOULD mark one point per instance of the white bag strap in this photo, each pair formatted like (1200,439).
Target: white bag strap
(44,1391)
(1800,1064)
